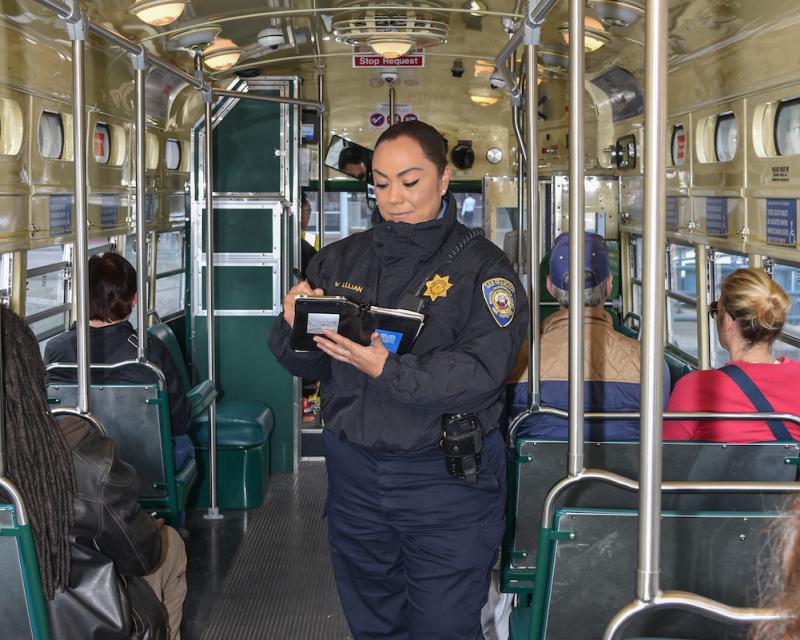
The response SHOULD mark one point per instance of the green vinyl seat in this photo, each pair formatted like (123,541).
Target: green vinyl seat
(243,432)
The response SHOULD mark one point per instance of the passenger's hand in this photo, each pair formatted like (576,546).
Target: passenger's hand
(300,289)
(369,359)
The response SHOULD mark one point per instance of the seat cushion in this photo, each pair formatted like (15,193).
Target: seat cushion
(240,423)
(164,332)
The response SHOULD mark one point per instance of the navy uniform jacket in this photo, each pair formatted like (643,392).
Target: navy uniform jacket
(460,360)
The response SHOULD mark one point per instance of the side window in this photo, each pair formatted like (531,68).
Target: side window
(51,135)
(170,275)
(726,137)
(723,265)
(346,212)
(788,276)
(636,279)
(101,143)
(682,299)
(47,300)
(172,154)
(787,128)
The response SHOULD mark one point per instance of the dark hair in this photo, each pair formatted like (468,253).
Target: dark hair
(351,154)
(112,286)
(37,457)
(432,142)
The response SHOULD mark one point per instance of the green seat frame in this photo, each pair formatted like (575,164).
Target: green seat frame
(23,614)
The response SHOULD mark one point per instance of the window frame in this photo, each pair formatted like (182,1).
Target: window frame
(682,298)
(56,116)
(782,104)
(167,144)
(718,120)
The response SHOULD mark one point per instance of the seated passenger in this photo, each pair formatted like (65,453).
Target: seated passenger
(94,543)
(750,314)
(611,361)
(112,295)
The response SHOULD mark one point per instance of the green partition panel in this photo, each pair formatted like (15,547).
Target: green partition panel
(243,230)
(245,142)
(243,288)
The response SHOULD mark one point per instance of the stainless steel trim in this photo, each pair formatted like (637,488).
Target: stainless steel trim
(141,224)
(280,99)
(157,372)
(11,490)
(45,269)
(533,223)
(701,286)
(321,158)
(576,236)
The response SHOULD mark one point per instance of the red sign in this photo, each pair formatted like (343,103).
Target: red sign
(680,152)
(99,142)
(366,58)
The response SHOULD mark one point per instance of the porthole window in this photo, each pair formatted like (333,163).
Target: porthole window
(101,143)
(726,137)
(678,145)
(787,128)
(172,154)
(51,135)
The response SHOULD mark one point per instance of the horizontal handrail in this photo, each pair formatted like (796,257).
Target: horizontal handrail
(162,380)
(47,268)
(280,99)
(634,415)
(689,602)
(48,313)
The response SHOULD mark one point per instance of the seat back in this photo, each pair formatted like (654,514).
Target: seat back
(541,464)
(22,607)
(164,332)
(136,418)
(592,569)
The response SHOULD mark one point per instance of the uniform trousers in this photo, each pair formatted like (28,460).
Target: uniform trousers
(412,547)
(168,579)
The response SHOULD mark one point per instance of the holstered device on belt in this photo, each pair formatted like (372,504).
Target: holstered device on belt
(462,443)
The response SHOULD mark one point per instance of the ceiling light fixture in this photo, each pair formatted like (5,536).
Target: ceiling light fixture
(593,34)
(391,47)
(617,14)
(198,36)
(158,13)
(221,54)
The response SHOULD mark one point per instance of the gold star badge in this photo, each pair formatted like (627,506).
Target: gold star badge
(437,288)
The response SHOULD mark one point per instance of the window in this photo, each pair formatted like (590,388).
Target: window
(788,276)
(47,300)
(723,265)
(51,135)
(637,246)
(787,128)
(101,143)
(6,276)
(678,145)
(172,154)
(170,274)
(726,137)
(346,212)
(682,299)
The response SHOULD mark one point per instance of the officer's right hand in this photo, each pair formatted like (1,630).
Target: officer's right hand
(302,288)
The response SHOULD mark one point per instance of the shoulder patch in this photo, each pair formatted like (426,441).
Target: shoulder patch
(501,298)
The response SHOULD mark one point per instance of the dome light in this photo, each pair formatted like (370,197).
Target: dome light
(593,35)
(391,48)
(221,54)
(197,36)
(158,13)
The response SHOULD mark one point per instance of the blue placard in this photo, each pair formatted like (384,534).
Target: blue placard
(781,221)
(109,212)
(60,215)
(391,339)
(717,216)
(672,214)
(149,206)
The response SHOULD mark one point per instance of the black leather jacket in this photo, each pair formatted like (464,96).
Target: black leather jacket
(112,542)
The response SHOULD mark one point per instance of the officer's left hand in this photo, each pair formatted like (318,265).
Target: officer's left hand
(369,359)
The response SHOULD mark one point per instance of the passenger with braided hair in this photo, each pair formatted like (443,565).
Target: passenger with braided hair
(104,562)
(750,314)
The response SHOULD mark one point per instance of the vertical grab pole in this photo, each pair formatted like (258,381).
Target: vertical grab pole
(392,105)
(321,159)
(141,222)
(76,27)
(213,510)
(576,238)
(521,157)
(648,567)
(701,286)
(532,206)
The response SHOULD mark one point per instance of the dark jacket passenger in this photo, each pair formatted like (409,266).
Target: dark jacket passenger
(113,542)
(115,343)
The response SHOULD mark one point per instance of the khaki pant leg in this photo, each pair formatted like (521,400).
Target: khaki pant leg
(168,579)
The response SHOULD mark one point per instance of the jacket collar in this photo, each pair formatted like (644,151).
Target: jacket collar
(400,241)
(591,315)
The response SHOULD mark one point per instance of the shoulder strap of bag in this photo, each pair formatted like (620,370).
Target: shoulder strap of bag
(749,388)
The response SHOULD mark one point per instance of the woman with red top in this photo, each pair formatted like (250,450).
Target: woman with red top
(750,314)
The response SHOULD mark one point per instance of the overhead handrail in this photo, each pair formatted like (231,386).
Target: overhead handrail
(635,415)
(311,104)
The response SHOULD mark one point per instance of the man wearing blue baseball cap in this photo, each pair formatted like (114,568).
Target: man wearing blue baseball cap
(611,360)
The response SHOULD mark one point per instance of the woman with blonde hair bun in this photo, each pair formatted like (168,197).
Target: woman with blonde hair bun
(750,314)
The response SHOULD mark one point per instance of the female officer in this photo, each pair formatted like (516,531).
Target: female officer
(412,545)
